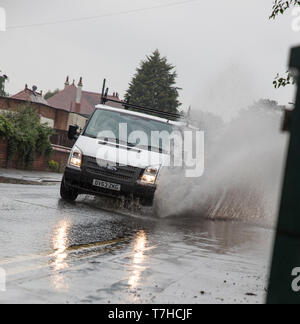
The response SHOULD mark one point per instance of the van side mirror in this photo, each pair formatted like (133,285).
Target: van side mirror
(73,132)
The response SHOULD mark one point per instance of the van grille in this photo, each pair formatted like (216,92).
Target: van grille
(128,174)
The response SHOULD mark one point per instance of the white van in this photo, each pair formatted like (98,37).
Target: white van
(105,162)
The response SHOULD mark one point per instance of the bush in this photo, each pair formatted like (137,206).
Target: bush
(6,127)
(54,166)
(25,134)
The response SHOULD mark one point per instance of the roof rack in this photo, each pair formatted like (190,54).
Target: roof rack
(127,105)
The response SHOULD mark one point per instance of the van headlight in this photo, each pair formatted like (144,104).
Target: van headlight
(150,175)
(76,158)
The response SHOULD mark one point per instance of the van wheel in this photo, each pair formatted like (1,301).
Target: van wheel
(67,193)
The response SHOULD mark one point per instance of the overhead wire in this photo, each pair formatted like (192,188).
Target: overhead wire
(96,17)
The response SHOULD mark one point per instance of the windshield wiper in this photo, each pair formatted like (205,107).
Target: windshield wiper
(151,148)
(131,144)
(117,142)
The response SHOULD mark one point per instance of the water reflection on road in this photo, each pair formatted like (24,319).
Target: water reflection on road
(138,257)
(60,246)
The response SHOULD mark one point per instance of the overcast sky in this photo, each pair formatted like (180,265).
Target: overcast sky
(226,52)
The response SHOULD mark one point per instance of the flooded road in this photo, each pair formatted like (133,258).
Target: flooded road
(56,252)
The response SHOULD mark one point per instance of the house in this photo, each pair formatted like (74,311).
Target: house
(31,95)
(70,106)
(75,100)
(55,118)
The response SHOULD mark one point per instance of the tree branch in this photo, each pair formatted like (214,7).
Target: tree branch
(281,6)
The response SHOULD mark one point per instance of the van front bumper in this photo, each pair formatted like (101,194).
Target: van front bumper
(82,181)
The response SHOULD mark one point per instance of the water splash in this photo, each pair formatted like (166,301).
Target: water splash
(244,164)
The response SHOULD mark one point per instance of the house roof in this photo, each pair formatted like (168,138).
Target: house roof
(30,95)
(66,100)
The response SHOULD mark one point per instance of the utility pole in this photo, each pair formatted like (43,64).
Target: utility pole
(284,286)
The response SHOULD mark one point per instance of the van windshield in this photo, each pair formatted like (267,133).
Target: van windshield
(141,132)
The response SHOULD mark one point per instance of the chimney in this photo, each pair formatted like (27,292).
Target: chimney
(78,96)
(67,83)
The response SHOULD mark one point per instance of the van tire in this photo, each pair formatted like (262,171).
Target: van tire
(67,193)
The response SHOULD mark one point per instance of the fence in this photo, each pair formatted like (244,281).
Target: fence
(61,138)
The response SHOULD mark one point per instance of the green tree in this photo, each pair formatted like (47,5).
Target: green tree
(154,85)
(3,79)
(50,94)
(280,7)
(283,81)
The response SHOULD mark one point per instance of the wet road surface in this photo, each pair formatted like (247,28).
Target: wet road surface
(57,252)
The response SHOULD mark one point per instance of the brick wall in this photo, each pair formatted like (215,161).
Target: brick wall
(61,120)
(13,104)
(60,155)
(3,153)
(59,117)
(41,163)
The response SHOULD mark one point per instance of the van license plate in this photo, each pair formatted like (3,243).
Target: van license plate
(106,185)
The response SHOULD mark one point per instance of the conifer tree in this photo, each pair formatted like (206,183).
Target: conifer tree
(154,85)
(3,79)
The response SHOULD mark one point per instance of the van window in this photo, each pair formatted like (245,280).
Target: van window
(104,121)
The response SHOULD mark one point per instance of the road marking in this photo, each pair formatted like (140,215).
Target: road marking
(77,248)
(17,271)
(98,244)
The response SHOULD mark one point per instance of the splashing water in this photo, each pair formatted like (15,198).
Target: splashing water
(244,165)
